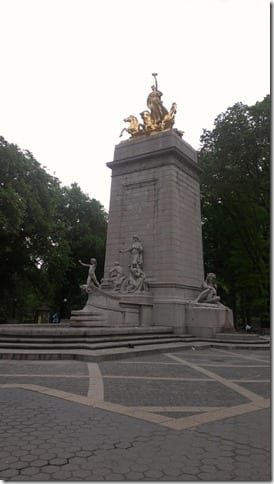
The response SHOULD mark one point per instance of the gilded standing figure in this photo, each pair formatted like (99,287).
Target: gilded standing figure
(155,104)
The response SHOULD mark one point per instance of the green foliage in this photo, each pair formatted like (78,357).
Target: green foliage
(85,223)
(235,188)
(44,230)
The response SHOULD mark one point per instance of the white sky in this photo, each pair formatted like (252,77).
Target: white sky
(73,69)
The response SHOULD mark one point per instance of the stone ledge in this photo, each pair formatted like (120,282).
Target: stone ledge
(154,143)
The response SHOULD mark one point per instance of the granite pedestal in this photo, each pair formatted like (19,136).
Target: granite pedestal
(155,194)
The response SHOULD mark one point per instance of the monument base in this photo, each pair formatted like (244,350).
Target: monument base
(206,320)
(104,308)
(187,317)
(170,312)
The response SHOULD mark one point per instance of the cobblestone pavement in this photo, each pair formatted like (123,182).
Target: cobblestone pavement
(186,416)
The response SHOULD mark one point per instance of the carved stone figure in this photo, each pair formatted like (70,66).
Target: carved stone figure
(136,280)
(91,279)
(136,252)
(209,293)
(116,276)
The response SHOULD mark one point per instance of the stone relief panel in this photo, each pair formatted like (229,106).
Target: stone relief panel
(139,216)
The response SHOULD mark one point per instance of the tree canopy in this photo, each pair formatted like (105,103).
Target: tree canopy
(235,189)
(44,229)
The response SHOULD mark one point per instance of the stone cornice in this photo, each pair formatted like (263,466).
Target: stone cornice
(154,151)
(147,161)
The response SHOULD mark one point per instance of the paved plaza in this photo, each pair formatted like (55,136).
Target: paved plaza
(191,415)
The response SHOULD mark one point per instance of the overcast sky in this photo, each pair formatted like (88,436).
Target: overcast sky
(73,69)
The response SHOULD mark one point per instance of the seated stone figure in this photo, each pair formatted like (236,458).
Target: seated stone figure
(209,293)
(116,276)
(136,280)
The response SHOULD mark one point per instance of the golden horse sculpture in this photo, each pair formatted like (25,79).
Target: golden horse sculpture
(169,118)
(148,124)
(166,123)
(134,127)
(157,119)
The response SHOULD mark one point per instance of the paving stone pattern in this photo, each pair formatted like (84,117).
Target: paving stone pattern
(163,393)
(149,370)
(96,436)
(261,388)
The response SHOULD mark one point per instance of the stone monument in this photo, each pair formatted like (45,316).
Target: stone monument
(154,258)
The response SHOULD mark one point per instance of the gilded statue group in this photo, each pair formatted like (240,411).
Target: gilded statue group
(158,118)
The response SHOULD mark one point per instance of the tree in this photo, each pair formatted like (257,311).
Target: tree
(44,230)
(85,222)
(235,188)
(28,198)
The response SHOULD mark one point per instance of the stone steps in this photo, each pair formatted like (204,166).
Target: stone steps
(57,338)
(67,331)
(113,341)
(92,345)
(107,354)
(88,339)
(241,338)
(97,344)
